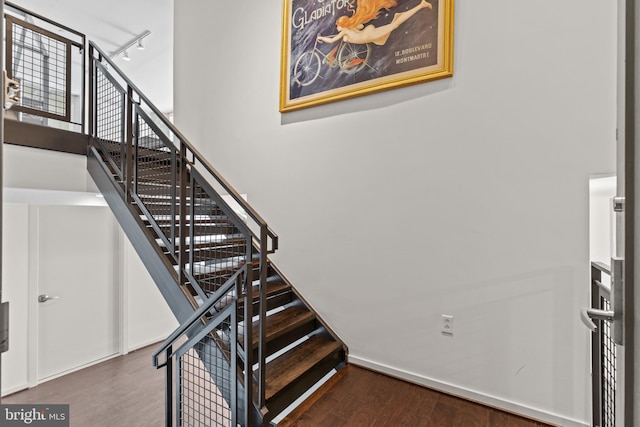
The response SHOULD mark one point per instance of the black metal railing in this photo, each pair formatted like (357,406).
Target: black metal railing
(204,358)
(215,364)
(40,55)
(603,351)
(219,254)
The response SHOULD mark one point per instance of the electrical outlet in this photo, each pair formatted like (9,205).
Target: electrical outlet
(446,325)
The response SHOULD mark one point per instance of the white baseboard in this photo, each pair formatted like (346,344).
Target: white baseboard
(144,344)
(472,395)
(15,389)
(72,370)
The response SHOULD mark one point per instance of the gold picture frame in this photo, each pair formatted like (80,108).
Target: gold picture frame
(338,49)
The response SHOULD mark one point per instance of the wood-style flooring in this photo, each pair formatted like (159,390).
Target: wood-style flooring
(359,397)
(128,392)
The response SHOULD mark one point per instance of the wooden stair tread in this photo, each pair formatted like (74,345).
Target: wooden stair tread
(273,288)
(214,246)
(281,323)
(293,364)
(212,240)
(222,270)
(204,220)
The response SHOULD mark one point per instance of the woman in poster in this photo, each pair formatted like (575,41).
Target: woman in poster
(352,29)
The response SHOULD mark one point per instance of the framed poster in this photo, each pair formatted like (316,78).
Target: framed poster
(338,49)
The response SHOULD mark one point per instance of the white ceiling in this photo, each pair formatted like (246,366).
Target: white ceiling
(111,24)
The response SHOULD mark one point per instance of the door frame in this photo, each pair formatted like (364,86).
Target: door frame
(628,407)
(120,295)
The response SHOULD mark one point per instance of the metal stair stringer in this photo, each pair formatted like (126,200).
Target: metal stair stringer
(161,271)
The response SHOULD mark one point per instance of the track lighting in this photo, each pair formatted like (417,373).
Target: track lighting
(137,41)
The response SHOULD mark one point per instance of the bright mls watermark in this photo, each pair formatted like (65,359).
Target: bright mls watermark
(34,415)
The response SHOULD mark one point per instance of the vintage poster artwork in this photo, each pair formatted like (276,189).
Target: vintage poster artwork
(336,49)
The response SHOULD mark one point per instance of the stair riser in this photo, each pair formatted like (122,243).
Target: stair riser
(274,302)
(158,190)
(159,172)
(210,228)
(163,207)
(283,341)
(280,401)
(215,251)
(222,274)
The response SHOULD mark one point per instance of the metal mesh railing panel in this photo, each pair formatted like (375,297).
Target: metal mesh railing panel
(217,247)
(156,181)
(109,120)
(204,381)
(608,354)
(41,63)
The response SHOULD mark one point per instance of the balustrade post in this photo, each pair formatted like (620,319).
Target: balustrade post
(247,294)
(83,120)
(183,176)
(169,389)
(262,287)
(233,404)
(129,127)
(92,95)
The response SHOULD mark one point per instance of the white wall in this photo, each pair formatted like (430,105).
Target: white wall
(42,169)
(40,177)
(466,196)
(15,282)
(150,319)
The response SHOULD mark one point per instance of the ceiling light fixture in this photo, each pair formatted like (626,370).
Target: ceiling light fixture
(136,41)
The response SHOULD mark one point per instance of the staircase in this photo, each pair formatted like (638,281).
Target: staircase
(242,322)
(248,344)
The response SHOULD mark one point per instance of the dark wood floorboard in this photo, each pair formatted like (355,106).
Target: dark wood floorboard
(128,391)
(124,391)
(365,398)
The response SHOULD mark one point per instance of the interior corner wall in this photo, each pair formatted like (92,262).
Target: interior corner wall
(15,262)
(466,196)
(34,168)
(149,319)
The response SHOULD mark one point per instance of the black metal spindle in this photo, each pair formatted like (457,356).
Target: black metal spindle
(169,387)
(182,208)
(130,127)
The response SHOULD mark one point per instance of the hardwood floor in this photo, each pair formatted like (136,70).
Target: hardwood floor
(124,391)
(128,391)
(359,397)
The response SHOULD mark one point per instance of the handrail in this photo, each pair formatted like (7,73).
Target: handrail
(606,288)
(80,43)
(47,20)
(605,268)
(602,268)
(197,155)
(196,316)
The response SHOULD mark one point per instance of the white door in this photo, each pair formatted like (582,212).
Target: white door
(76,275)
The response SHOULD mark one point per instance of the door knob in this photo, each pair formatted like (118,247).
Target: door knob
(614,316)
(587,314)
(45,298)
